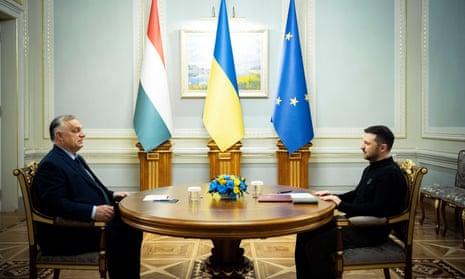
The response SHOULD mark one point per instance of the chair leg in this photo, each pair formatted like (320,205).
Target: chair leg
(444,218)
(437,209)
(457,211)
(463,227)
(32,262)
(103,274)
(32,270)
(387,274)
(408,271)
(56,273)
(422,218)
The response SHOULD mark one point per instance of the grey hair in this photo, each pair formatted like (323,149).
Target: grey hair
(57,124)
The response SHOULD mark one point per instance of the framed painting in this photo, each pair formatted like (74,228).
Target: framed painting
(250,51)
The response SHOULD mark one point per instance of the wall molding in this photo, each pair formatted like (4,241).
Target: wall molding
(48,109)
(399,106)
(257,150)
(140,11)
(428,131)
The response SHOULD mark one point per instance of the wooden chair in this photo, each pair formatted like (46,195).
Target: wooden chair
(458,204)
(447,195)
(455,197)
(397,251)
(87,261)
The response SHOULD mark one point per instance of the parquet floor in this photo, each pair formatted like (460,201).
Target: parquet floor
(169,257)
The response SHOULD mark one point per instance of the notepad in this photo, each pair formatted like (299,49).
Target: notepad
(303,198)
(156,198)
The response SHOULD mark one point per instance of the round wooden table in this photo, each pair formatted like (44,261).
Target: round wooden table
(225,222)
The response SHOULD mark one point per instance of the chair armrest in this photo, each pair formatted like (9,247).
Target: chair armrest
(362,221)
(41,218)
(399,218)
(74,223)
(58,221)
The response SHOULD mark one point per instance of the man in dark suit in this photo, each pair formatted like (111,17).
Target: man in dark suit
(66,187)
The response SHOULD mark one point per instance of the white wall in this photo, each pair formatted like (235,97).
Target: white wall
(365,66)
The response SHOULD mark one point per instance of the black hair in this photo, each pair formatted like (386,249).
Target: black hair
(383,135)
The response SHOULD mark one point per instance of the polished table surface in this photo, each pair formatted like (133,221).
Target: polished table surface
(225,222)
(213,218)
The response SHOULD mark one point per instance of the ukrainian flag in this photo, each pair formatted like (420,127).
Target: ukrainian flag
(222,114)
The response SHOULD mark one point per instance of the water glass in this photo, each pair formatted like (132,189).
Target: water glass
(256,188)
(194,193)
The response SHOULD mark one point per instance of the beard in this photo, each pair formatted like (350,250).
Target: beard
(373,156)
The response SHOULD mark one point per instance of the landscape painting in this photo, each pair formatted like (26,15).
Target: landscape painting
(250,58)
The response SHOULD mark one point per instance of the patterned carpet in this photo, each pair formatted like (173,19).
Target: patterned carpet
(422,269)
(14,269)
(432,268)
(163,257)
(199,272)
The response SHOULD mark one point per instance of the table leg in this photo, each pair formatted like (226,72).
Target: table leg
(227,259)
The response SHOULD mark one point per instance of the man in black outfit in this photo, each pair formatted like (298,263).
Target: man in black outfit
(380,192)
(64,186)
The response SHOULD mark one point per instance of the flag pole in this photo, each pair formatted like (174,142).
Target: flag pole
(222,114)
(291,115)
(152,121)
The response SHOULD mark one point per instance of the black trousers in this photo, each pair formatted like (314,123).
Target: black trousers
(123,249)
(123,244)
(315,251)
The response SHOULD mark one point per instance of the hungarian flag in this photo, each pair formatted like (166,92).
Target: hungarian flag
(152,116)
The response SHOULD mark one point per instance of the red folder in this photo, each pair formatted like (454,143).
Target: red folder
(274,198)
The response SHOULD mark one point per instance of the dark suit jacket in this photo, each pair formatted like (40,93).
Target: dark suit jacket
(61,187)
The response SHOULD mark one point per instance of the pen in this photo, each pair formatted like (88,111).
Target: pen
(284,192)
(171,200)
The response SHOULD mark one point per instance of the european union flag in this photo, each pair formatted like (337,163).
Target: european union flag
(291,116)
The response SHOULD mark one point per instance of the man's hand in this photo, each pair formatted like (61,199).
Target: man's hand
(322,193)
(104,213)
(332,198)
(118,196)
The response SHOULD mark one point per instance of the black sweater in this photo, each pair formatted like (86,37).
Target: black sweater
(381,191)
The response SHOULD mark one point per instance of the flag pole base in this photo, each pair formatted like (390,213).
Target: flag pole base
(155,166)
(227,162)
(293,168)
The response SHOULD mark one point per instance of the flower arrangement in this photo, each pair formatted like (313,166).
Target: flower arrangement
(230,186)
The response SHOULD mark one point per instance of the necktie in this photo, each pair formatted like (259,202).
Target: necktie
(80,162)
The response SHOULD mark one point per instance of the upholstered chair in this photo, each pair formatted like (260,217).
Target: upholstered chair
(88,261)
(447,196)
(397,251)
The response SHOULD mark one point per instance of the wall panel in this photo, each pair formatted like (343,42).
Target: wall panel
(443,69)
(358,59)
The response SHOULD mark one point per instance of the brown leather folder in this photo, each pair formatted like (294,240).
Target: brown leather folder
(274,198)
